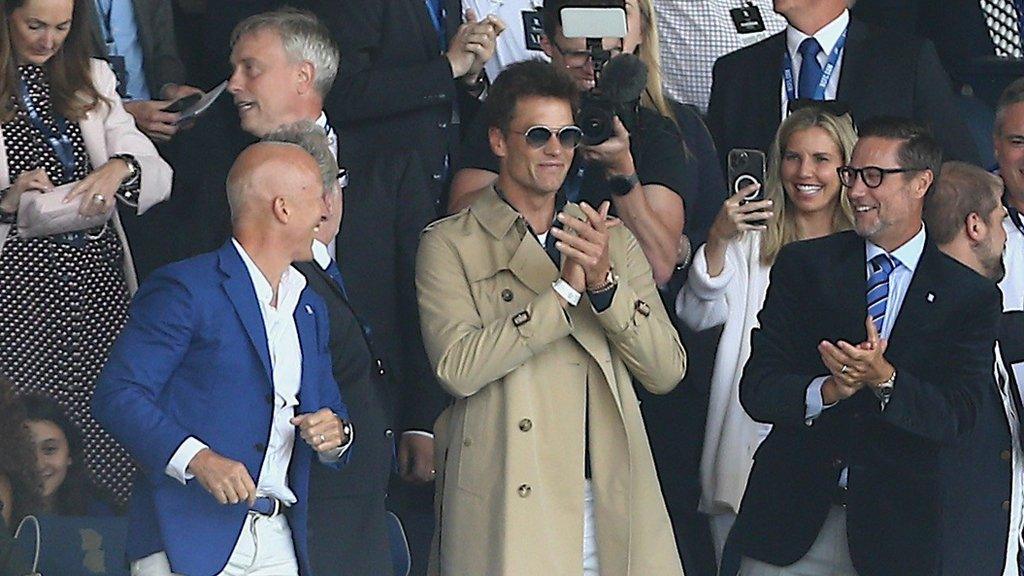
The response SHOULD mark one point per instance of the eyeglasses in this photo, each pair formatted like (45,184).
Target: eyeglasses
(580,58)
(342,177)
(871,175)
(538,136)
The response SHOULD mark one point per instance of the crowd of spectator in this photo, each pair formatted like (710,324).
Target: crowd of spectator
(390,304)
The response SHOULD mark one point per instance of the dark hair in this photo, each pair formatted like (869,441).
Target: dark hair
(963,189)
(1012,94)
(919,149)
(69,70)
(72,497)
(551,13)
(17,460)
(531,78)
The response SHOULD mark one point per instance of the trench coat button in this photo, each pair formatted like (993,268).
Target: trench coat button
(389,433)
(525,424)
(1006,505)
(521,318)
(524,491)
(507,295)
(467,442)
(1005,455)
(260,447)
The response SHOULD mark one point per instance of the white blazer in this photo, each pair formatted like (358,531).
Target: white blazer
(732,298)
(107,130)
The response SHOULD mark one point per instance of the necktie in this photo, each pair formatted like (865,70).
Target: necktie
(335,273)
(1003,18)
(810,68)
(437,14)
(878,288)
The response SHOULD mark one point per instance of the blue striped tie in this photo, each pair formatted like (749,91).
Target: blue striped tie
(878,288)
(810,68)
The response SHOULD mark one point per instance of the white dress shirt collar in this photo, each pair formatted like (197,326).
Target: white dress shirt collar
(826,37)
(909,254)
(290,287)
(321,255)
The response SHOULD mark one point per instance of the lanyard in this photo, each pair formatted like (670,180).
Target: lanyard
(59,140)
(826,73)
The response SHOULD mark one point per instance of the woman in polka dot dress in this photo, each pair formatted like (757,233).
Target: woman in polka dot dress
(64,298)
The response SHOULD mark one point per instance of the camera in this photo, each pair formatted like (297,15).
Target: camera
(596,116)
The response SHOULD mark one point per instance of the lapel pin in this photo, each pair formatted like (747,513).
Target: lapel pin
(309,309)
(930,297)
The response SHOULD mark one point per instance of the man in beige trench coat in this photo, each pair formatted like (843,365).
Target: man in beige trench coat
(543,461)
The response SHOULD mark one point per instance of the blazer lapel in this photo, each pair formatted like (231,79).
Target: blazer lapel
(242,294)
(921,304)
(426,25)
(532,266)
(306,326)
(856,62)
(849,289)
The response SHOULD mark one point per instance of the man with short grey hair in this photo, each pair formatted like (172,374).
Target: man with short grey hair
(1008,142)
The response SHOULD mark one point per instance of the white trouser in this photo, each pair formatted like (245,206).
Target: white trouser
(720,524)
(264,548)
(590,567)
(828,556)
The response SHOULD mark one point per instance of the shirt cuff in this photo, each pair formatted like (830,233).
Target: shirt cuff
(177,467)
(419,433)
(602,300)
(332,456)
(813,401)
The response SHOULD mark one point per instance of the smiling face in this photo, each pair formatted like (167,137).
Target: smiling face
(38,29)
(1009,149)
(53,455)
(538,171)
(265,83)
(808,170)
(890,214)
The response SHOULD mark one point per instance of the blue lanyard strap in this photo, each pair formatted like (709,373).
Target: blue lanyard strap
(788,74)
(59,141)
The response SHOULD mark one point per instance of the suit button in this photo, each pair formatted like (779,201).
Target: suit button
(260,447)
(525,424)
(1005,455)
(524,490)
(437,176)
(442,125)
(467,442)
(389,433)
(1006,505)
(507,295)
(380,366)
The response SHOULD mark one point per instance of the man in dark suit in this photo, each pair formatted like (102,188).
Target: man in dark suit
(981,472)
(864,382)
(410,76)
(220,386)
(873,71)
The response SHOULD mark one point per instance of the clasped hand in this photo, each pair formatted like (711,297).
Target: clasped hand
(583,244)
(853,367)
(473,45)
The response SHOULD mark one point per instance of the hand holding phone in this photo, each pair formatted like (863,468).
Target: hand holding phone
(746,168)
(182,104)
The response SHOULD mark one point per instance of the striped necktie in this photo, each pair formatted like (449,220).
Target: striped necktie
(878,288)
(1003,18)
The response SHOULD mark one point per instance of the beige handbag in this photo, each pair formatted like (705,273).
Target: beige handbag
(46,214)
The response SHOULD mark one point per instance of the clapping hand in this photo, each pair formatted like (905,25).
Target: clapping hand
(853,367)
(587,243)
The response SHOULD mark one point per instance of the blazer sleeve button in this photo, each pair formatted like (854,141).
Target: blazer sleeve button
(525,425)
(524,490)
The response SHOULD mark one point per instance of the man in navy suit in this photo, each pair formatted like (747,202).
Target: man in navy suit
(872,355)
(876,72)
(222,366)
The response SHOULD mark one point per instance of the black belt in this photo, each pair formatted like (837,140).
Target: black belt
(267,506)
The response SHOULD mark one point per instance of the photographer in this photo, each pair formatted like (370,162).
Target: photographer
(642,168)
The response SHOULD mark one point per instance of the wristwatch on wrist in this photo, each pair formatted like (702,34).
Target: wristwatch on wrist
(883,390)
(623,184)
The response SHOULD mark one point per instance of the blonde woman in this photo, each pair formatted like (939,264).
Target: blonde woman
(728,281)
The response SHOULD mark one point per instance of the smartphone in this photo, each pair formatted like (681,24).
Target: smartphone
(747,167)
(183,103)
(594,21)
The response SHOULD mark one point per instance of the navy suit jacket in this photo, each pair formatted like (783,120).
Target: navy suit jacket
(193,360)
(942,346)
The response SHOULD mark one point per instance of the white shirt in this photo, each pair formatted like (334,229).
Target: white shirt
(1013,544)
(827,37)
(1012,284)
(286,369)
(695,33)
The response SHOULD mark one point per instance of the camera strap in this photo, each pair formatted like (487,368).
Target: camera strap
(788,74)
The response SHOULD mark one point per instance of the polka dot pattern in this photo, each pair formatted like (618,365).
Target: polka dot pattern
(62,301)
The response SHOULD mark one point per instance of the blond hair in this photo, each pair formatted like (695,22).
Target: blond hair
(650,54)
(781,229)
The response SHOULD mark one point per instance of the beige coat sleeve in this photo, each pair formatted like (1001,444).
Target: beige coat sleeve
(637,326)
(467,354)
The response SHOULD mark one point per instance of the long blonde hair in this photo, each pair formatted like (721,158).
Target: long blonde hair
(781,229)
(650,54)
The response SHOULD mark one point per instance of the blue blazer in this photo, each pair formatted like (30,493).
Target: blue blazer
(193,361)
